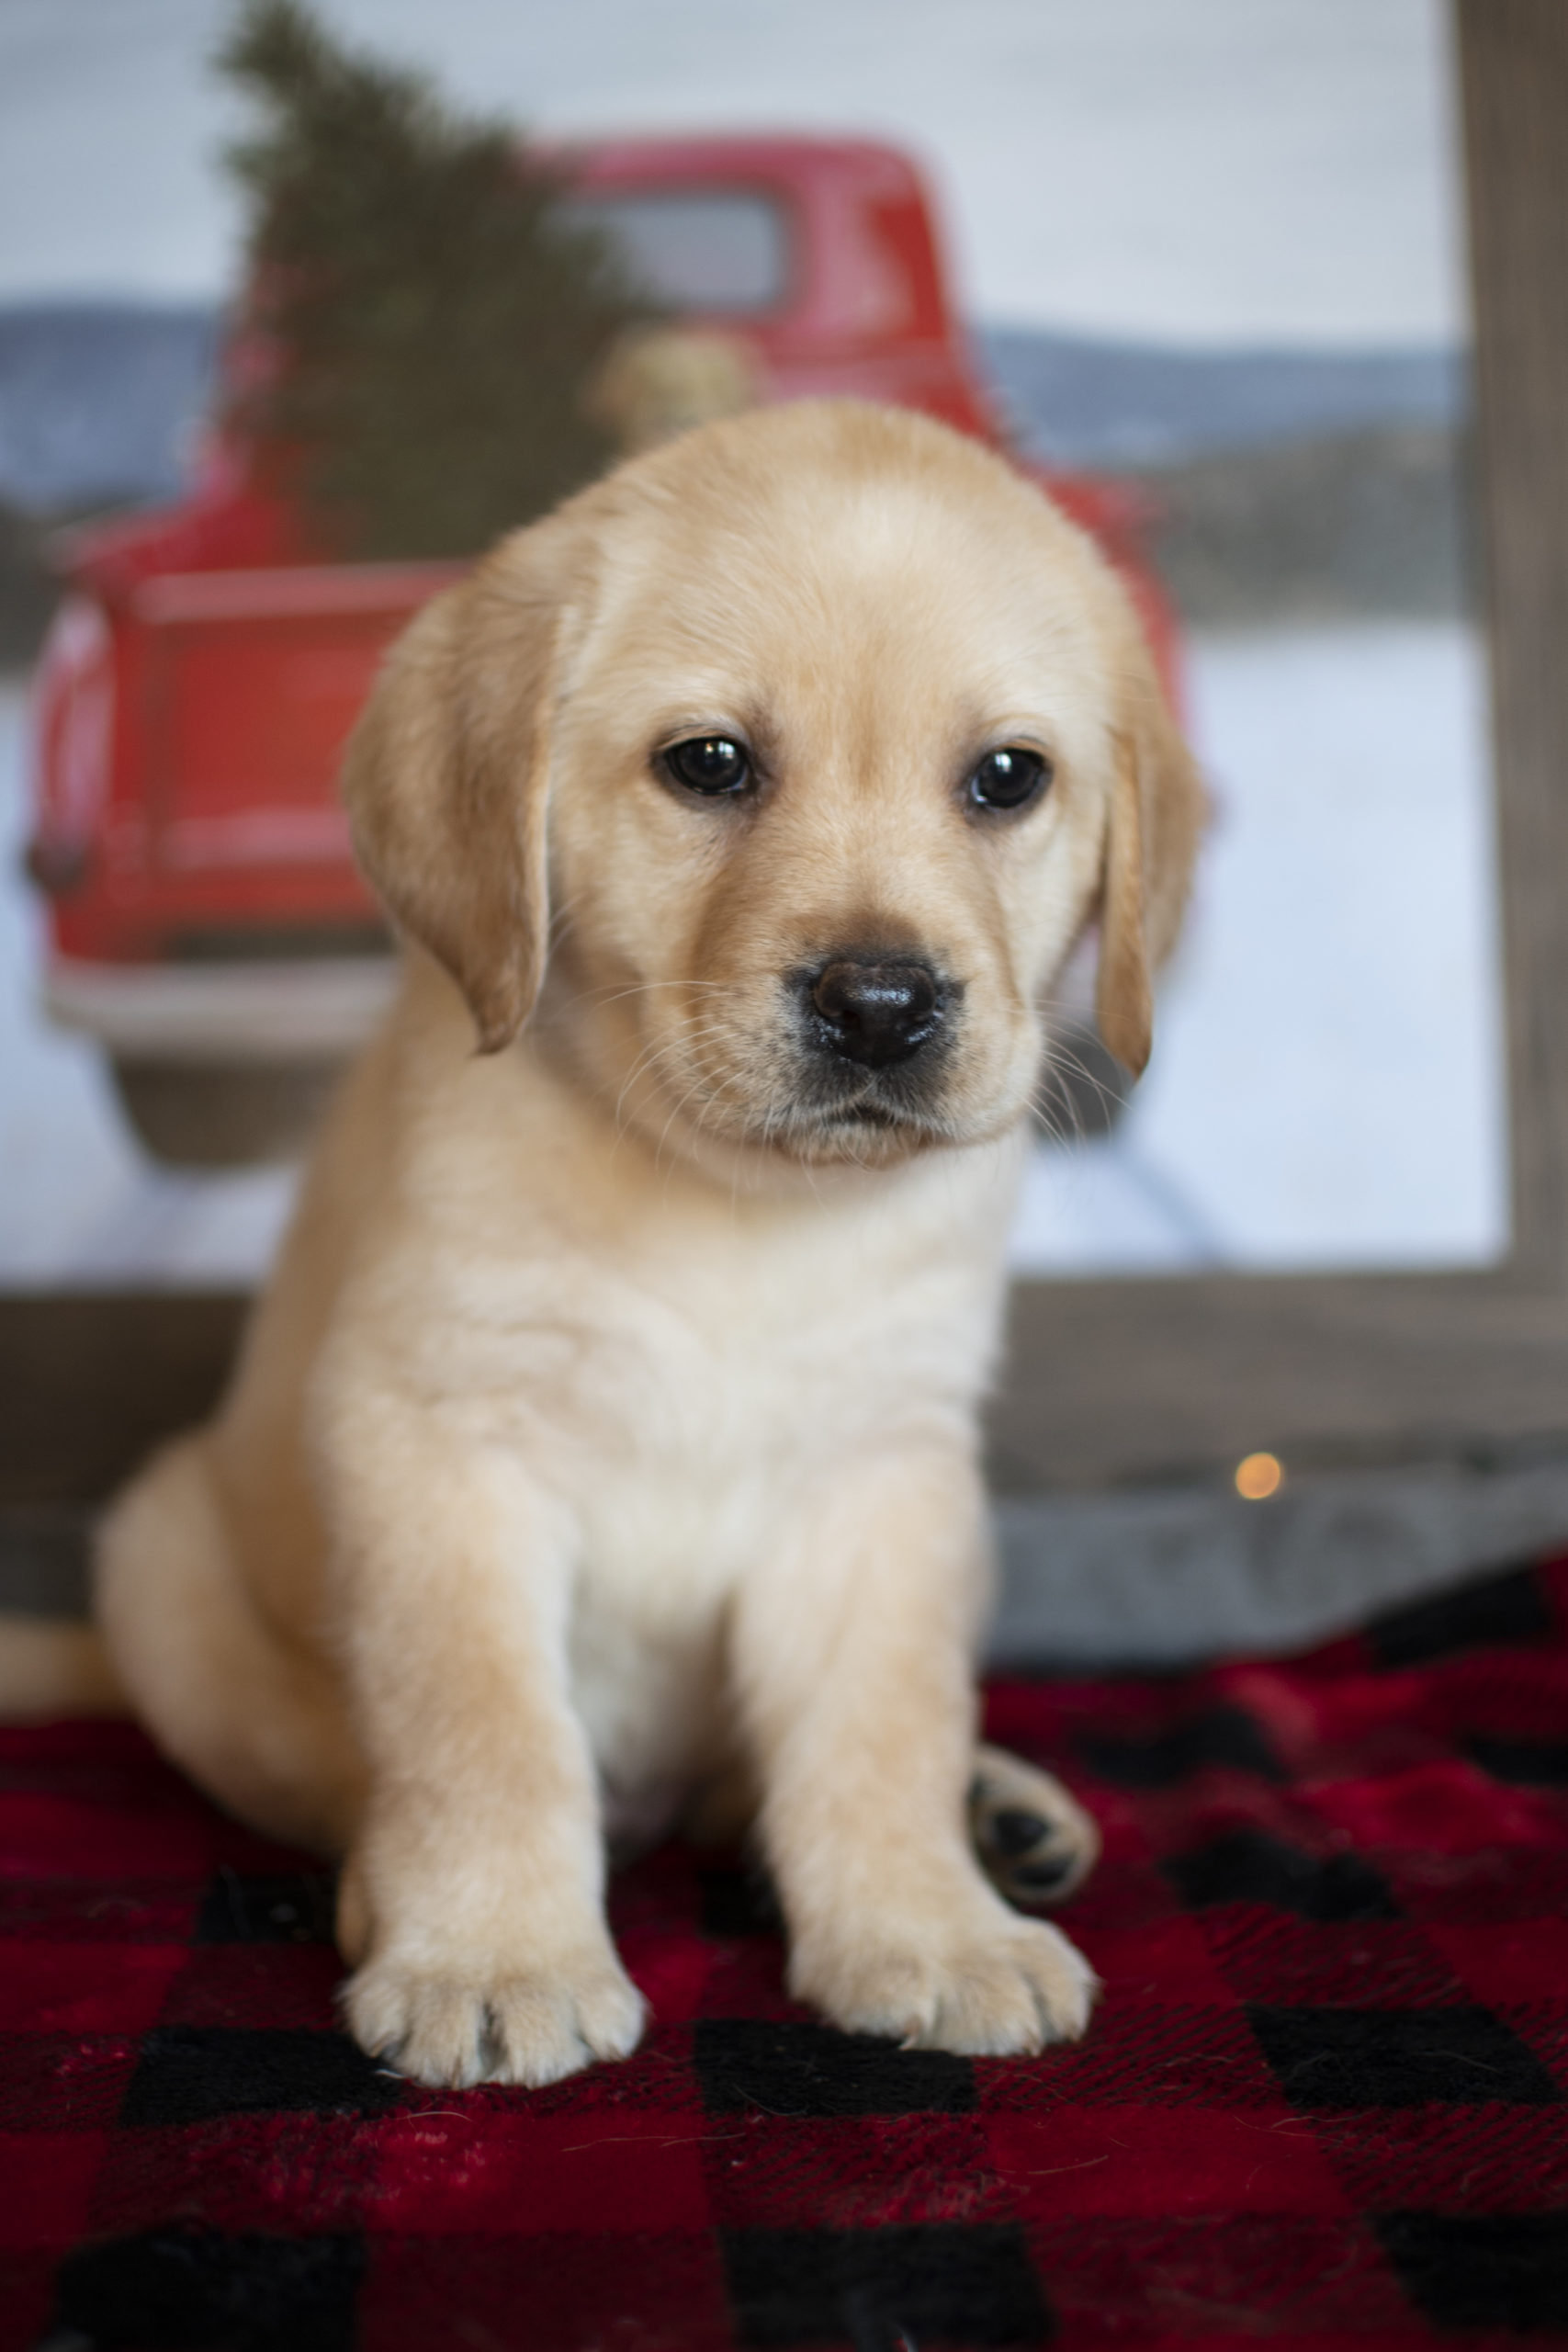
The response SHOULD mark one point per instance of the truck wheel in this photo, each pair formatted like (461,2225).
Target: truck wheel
(224,1115)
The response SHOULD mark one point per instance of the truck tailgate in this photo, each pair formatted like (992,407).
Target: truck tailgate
(251,682)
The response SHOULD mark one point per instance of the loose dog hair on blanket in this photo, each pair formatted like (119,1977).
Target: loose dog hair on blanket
(602,1454)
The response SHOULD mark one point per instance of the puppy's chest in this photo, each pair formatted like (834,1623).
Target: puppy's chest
(689,1409)
(696,1389)
(714,1450)
(698,1463)
(686,1405)
(692,1433)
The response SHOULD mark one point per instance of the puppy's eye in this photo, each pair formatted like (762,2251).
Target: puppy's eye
(713,765)
(1008,779)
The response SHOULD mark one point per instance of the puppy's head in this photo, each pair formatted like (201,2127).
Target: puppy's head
(807,747)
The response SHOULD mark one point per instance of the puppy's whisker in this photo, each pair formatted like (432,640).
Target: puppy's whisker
(684,1033)
(658,1049)
(695,1088)
(615,993)
(1045,1118)
(647,1060)
(1060,1059)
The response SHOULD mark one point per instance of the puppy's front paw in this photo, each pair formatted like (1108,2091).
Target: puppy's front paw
(1034,1842)
(458,2024)
(995,1986)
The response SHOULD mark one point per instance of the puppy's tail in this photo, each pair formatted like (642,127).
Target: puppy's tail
(55,1666)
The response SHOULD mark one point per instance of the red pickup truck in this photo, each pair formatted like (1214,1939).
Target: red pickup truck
(208,924)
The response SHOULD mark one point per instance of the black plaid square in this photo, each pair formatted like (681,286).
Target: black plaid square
(1511,1607)
(1223,1738)
(1349,2058)
(1493,2271)
(189,2074)
(176,2289)
(1527,1763)
(1251,1866)
(270,1908)
(808,2070)
(876,2290)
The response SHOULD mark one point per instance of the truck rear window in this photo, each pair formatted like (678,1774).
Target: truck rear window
(707,250)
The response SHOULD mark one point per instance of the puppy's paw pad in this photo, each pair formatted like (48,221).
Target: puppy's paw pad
(1006,1990)
(1035,1843)
(453,2029)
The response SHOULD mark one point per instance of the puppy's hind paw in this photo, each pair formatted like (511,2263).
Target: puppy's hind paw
(1034,1842)
(452,2029)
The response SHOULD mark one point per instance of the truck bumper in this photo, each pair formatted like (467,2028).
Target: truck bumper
(210,1013)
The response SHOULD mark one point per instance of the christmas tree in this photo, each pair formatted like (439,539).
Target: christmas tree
(433,318)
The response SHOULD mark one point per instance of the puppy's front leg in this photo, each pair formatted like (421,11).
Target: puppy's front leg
(853,1657)
(473,1899)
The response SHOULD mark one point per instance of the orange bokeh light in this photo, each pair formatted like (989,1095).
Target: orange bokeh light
(1260,1475)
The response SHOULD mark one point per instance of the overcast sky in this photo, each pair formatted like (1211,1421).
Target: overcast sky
(1196,171)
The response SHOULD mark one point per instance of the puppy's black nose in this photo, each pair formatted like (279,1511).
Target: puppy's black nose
(875,1013)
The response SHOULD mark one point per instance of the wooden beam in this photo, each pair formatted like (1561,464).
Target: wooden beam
(1514,83)
(90,1382)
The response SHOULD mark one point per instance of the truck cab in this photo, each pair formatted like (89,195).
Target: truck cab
(207,922)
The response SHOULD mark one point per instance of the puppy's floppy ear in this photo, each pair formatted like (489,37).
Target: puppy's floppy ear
(447,774)
(1154,820)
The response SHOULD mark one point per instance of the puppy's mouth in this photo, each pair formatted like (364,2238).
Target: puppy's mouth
(875,1116)
(872,1029)
(799,1090)
(809,1117)
(890,1120)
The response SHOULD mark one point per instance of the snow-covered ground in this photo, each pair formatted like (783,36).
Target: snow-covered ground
(79,1202)
(1327,1089)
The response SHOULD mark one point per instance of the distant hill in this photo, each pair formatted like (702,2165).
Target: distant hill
(1291,484)
(1135,405)
(98,401)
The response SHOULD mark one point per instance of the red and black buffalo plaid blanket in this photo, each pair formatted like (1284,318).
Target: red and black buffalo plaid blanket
(1324,2101)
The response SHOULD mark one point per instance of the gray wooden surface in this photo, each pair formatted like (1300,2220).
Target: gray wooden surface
(1159,1576)
(1168,1575)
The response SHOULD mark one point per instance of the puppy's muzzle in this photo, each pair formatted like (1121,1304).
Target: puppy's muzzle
(874,1012)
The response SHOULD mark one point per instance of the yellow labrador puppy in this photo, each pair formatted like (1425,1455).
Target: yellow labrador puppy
(603,1450)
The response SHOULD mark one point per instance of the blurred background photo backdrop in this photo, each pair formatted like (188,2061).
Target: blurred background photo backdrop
(1204,266)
